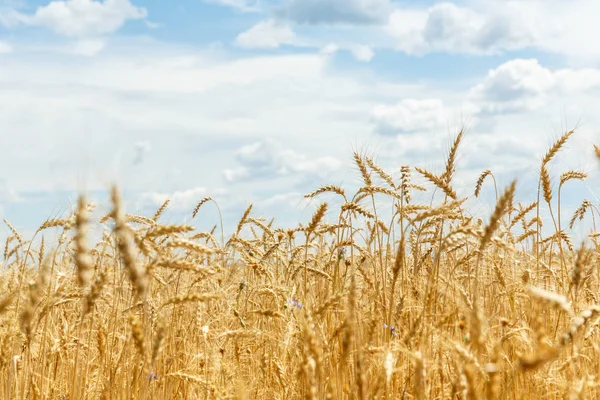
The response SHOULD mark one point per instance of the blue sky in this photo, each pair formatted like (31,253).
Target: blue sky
(253,101)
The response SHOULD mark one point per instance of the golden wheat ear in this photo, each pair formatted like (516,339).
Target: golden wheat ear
(597,151)
(501,208)
(556,146)
(451,161)
(364,172)
(480,180)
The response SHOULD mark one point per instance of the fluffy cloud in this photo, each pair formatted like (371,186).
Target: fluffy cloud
(489,27)
(84,18)
(450,28)
(561,27)
(324,12)
(266,34)
(268,159)
(518,85)
(409,115)
(523,84)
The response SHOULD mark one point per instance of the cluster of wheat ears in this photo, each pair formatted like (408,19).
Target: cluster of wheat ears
(430,304)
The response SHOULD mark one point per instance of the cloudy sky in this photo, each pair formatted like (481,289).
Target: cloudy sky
(262,101)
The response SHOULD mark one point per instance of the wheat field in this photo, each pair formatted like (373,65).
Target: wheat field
(426,303)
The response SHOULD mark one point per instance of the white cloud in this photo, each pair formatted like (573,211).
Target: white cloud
(84,18)
(5,48)
(516,85)
(182,200)
(140,90)
(236,174)
(570,80)
(409,115)
(298,114)
(317,12)
(516,151)
(523,84)
(292,199)
(451,28)
(558,26)
(361,52)
(88,47)
(268,34)
(194,74)
(488,27)
(330,48)
(268,159)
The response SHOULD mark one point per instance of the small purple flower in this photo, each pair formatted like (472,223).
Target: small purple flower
(392,329)
(294,302)
(152,376)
